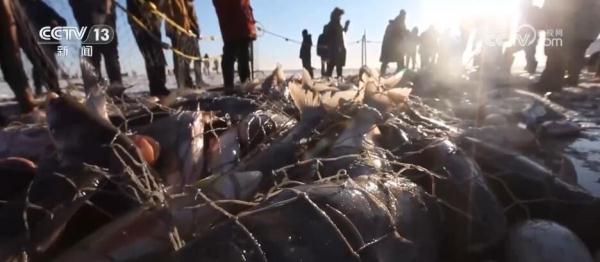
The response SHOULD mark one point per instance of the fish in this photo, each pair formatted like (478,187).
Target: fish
(284,150)
(370,218)
(152,232)
(31,142)
(275,83)
(476,216)
(81,136)
(181,140)
(544,241)
(224,152)
(260,126)
(59,207)
(355,138)
(527,189)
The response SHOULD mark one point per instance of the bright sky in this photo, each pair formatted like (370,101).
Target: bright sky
(289,17)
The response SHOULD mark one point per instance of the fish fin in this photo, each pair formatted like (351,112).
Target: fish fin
(96,102)
(307,80)
(332,100)
(385,101)
(251,86)
(394,80)
(304,99)
(279,74)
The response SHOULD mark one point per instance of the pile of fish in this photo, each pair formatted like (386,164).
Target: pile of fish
(293,170)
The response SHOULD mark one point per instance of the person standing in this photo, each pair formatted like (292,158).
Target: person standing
(183,14)
(530,16)
(336,57)
(206,61)
(10,58)
(323,50)
(579,20)
(305,50)
(238,29)
(99,12)
(583,31)
(411,48)
(217,64)
(428,47)
(392,48)
(148,38)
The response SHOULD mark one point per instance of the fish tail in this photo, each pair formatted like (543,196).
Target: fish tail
(305,99)
(332,100)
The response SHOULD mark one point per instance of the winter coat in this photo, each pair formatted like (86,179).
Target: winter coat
(394,41)
(235,19)
(335,43)
(306,46)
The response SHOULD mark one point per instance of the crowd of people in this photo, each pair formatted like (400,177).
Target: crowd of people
(406,48)
(577,21)
(21,20)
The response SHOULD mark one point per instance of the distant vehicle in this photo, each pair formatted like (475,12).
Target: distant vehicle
(592,55)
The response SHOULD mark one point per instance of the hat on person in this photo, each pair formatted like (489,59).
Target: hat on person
(337,12)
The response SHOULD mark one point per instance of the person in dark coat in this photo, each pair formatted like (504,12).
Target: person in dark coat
(428,47)
(99,12)
(148,38)
(323,50)
(336,57)
(305,52)
(411,48)
(579,21)
(238,29)
(394,41)
(45,73)
(10,58)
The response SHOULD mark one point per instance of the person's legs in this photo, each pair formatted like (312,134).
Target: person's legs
(413,60)
(329,71)
(424,59)
(307,65)
(227,64)
(53,73)
(244,60)
(339,70)
(112,64)
(111,53)
(532,63)
(577,61)
(37,80)
(400,64)
(181,66)
(10,59)
(197,69)
(552,77)
(383,69)
(151,48)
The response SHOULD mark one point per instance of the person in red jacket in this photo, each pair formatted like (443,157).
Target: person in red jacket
(238,30)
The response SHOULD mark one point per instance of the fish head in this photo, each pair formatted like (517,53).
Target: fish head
(78,134)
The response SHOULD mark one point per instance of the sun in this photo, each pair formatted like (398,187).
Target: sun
(445,14)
